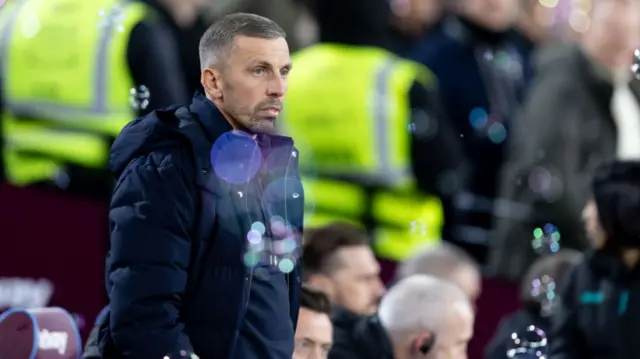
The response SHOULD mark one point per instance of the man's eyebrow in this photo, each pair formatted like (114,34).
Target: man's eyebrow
(263,63)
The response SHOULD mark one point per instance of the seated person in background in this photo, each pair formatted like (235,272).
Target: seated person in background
(445,261)
(314,333)
(420,317)
(599,315)
(536,307)
(337,259)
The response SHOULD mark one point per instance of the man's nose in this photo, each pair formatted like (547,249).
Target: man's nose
(277,87)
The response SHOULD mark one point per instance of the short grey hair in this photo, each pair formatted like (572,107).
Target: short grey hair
(439,261)
(219,36)
(418,303)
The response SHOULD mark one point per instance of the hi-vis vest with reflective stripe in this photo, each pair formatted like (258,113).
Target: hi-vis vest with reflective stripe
(65,83)
(348,110)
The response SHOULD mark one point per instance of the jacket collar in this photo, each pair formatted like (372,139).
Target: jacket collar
(366,333)
(374,339)
(209,117)
(606,262)
(277,151)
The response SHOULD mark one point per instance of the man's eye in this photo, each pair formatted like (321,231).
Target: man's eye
(284,73)
(258,71)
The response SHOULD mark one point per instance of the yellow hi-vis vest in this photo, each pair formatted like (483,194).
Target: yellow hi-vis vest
(65,83)
(348,110)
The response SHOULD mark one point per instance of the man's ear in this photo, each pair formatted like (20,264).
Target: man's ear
(212,83)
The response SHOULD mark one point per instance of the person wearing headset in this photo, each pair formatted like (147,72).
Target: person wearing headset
(420,317)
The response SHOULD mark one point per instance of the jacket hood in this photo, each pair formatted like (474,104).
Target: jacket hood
(164,129)
(354,22)
(142,136)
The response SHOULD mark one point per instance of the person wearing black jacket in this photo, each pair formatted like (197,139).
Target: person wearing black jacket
(206,196)
(600,313)
(467,51)
(163,50)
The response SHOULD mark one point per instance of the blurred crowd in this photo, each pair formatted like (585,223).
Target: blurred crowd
(505,202)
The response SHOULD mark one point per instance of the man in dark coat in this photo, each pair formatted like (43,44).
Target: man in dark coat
(481,79)
(581,110)
(600,310)
(207,212)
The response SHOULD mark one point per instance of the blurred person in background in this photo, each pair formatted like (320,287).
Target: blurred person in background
(292,15)
(314,334)
(600,312)
(196,262)
(412,19)
(374,135)
(481,79)
(420,317)
(536,26)
(337,259)
(182,20)
(447,262)
(539,297)
(535,21)
(582,109)
(61,104)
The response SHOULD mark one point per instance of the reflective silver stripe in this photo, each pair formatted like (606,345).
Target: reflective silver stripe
(5,38)
(383,118)
(100,91)
(100,95)
(53,111)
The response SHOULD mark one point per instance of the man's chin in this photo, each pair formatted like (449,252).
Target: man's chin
(265,125)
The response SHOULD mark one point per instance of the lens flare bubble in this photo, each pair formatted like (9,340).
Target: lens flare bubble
(530,343)
(546,239)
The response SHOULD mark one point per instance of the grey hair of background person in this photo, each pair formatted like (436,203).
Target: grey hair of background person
(416,304)
(554,265)
(218,38)
(440,261)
